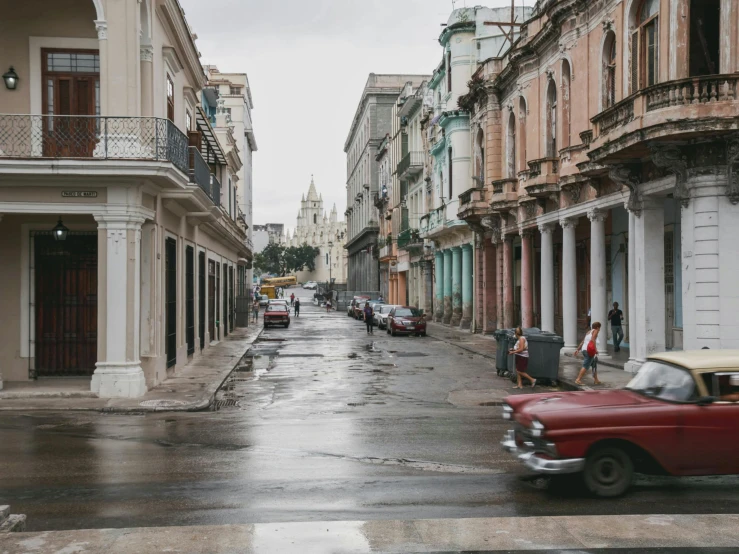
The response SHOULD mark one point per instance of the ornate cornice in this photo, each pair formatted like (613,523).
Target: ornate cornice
(625,175)
(670,157)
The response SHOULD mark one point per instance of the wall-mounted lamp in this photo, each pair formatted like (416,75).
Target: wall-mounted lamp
(60,231)
(11,79)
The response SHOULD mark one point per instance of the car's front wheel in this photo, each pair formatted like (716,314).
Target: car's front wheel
(609,471)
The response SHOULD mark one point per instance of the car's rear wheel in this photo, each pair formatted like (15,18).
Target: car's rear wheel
(392,331)
(609,471)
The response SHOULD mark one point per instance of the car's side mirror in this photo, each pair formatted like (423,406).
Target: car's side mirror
(706,400)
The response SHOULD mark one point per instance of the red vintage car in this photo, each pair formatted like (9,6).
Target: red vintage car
(277,314)
(679,416)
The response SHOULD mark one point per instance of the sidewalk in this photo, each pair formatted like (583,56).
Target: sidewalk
(192,389)
(610,374)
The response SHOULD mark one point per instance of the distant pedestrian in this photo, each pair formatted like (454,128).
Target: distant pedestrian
(589,354)
(521,352)
(297,307)
(381,299)
(255,309)
(615,316)
(292,299)
(368,318)
(328,305)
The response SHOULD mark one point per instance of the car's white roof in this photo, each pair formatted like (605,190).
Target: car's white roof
(701,360)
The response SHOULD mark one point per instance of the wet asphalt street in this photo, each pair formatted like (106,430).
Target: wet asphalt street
(329,424)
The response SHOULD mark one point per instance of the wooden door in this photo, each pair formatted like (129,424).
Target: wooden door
(212,299)
(65,305)
(669,287)
(71,94)
(190,299)
(201,298)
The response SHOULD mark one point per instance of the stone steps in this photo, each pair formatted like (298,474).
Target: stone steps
(11,523)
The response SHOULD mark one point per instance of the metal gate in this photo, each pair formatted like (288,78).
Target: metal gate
(170,271)
(64,304)
(225,300)
(201,298)
(669,287)
(231,298)
(243,298)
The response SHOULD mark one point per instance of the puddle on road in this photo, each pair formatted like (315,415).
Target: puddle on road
(410,354)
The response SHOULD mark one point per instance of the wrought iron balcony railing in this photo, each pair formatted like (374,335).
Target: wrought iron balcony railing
(201,176)
(411,162)
(92,138)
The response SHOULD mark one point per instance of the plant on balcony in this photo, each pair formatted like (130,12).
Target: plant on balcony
(388,240)
(476,93)
(415,235)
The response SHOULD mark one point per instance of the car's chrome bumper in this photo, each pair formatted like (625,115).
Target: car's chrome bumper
(539,464)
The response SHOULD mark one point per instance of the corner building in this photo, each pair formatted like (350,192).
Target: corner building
(609,152)
(123,250)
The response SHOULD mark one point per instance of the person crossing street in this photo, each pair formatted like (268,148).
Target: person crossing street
(297,307)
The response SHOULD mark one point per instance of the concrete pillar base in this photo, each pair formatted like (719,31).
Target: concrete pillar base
(632,366)
(118,380)
(465,323)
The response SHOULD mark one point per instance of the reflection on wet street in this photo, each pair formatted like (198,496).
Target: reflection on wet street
(320,422)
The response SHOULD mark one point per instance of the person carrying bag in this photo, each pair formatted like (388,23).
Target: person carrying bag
(589,354)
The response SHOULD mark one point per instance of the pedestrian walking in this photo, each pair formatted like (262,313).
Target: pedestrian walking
(615,316)
(297,307)
(589,354)
(328,305)
(368,318)
(521,351)
(255,309)
(292,299)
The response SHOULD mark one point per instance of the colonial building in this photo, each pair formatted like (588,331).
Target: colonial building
(324,232)
(369,127)
(121,252)
(609,156)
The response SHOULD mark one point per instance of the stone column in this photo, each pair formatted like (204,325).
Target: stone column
(456,286)
(147,80)
(467,287)
(569,284)
(118,372)
(527,279)
(447,286)
(547,277)
(508,303)
(120,82)
(632,366)
(428,289)
(439,284)
(649,258)
(489,288)
(499,304)
(598,299)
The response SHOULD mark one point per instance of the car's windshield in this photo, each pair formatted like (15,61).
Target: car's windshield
(663,381)
(407,312)
(276,308)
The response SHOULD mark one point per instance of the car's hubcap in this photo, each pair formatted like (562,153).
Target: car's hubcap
(608,471)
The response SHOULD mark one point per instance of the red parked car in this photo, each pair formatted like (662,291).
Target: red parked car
(277,314)
(679,415)
(406,320)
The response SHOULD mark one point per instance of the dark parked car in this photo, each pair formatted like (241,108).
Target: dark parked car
(679,415)
(277,314)
(406,320)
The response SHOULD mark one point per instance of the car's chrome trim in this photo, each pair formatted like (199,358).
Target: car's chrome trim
(536,463)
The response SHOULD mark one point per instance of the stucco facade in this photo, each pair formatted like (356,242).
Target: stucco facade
(118,159)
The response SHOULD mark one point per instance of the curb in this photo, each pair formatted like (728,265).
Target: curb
(202,404)
(566,384)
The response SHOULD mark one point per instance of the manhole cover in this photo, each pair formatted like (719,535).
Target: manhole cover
(162,403)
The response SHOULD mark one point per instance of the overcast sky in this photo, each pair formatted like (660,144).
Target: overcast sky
(308,61)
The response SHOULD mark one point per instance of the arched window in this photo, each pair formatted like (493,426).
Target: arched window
(609,70)
(566,112)
(551,120)
(451,173)
(645,46)
(315,219)
(522,152)
(511,147)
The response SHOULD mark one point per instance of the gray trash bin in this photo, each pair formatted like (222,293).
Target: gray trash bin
(544,349)
(528,332)
(502,338)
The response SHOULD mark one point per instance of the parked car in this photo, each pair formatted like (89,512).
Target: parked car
(263,299)
(381,313)
(277,314)
(406,320)
(356,305)
(679,415)
(311,285)
(282,301)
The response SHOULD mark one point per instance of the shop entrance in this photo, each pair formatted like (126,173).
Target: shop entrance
(65,304)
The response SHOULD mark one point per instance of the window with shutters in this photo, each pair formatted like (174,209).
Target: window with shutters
(609,70)
(451,173)
(170,99)
(511,147)
(566,114)
(551,123)
(522,152)
(449,71)
(645,46)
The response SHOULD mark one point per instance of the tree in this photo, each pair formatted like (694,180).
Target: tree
(279,260)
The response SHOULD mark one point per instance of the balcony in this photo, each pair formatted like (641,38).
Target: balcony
(410,165)
(201,176)
(474,203)
(410,239)
(543,177)
(81,137)
(671,110)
